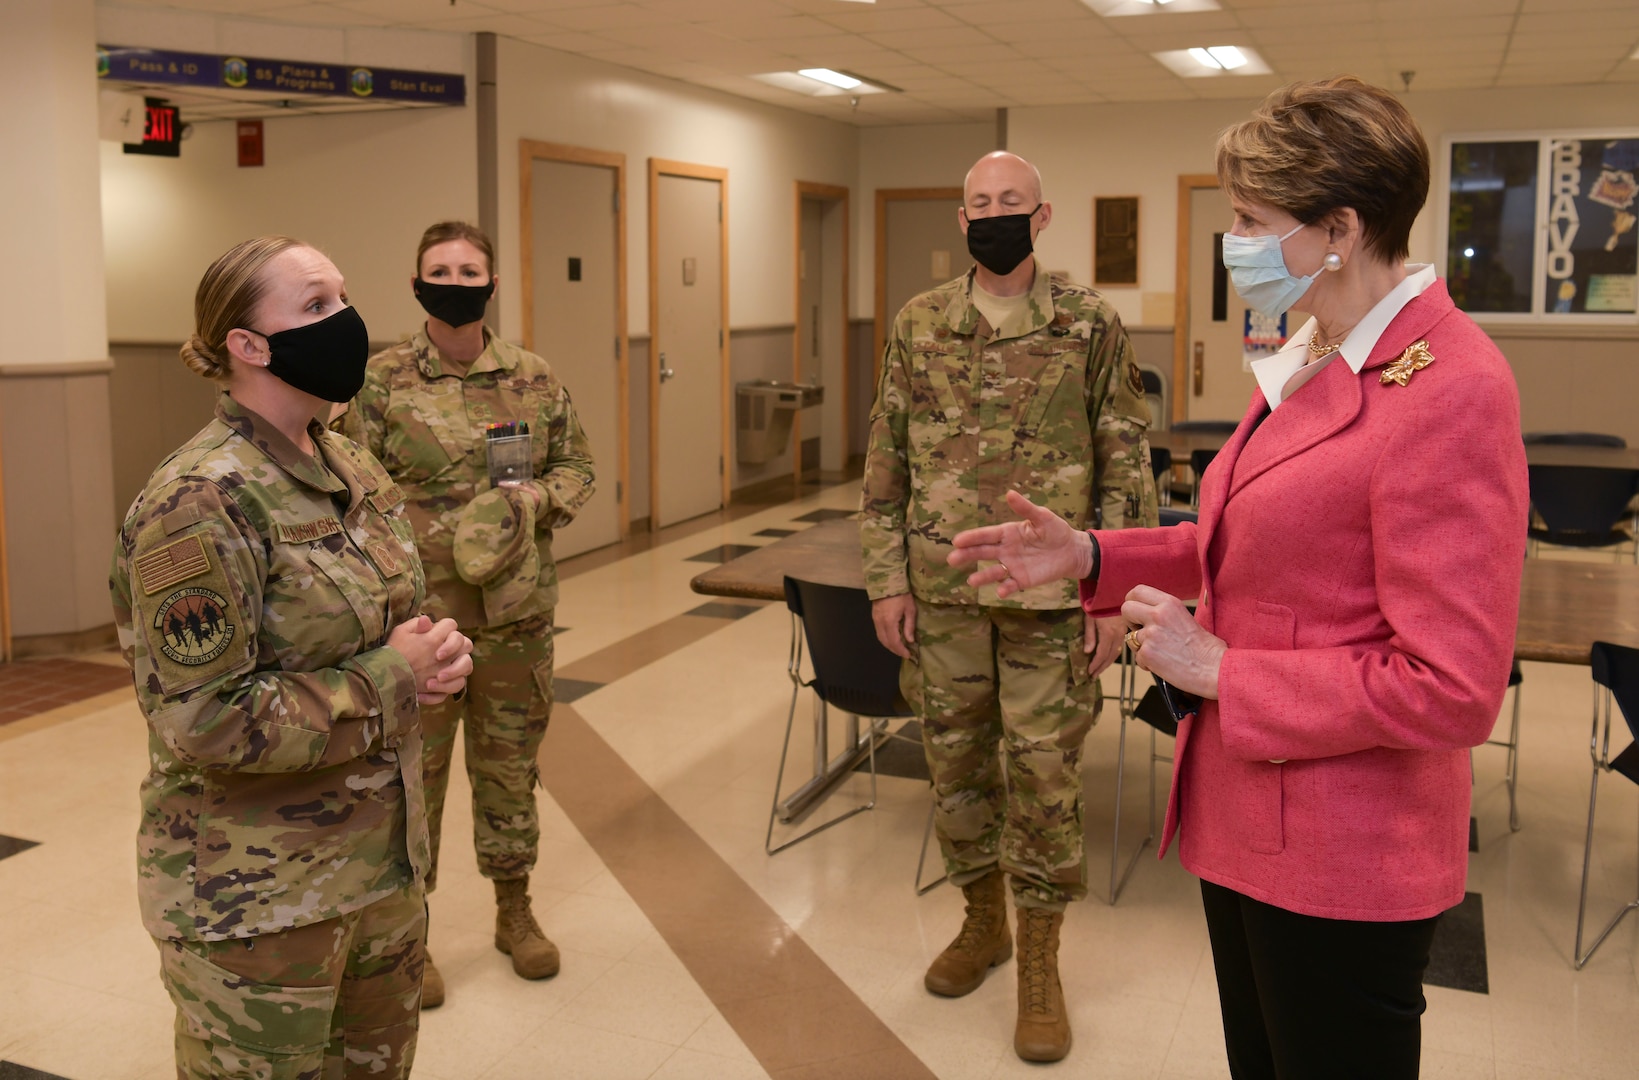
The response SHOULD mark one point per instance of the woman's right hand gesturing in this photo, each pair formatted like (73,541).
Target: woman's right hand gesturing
(438,653)
(1041,548)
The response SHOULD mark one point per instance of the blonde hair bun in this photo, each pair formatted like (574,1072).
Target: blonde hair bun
(201,359)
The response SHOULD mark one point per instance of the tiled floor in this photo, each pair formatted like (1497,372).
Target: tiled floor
(688,953)
(31,687)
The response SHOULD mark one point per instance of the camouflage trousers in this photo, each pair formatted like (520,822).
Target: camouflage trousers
(506,707)
(1002,684)
(332,999)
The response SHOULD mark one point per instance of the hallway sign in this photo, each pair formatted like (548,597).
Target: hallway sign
(288,77)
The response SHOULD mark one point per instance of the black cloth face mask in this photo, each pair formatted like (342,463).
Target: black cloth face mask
(1000,244)
(456,305)
(325,359)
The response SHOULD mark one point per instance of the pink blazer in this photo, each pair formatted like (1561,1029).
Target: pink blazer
(1360,551)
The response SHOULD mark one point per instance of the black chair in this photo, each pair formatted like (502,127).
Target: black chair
(1574,438)
(1616,669)
(1198,461)
(852,673)
(1582,505)
(1207,427)
(1155,395)
(1170,516)
(1161,467)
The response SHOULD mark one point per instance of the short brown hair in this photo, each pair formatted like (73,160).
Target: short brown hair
(445,231)
(1315,147)
(226,299)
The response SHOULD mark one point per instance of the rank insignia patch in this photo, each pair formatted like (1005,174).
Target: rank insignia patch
(193,626)
(1135,380)
(171,564)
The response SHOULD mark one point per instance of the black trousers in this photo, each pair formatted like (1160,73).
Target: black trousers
(1306,998)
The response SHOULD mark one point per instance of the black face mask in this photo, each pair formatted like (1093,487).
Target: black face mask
(325,359)
(456,305)
(1000,244)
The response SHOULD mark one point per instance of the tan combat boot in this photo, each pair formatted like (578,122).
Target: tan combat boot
(518,934)
(432,985)
(982,943)
(1043,1031)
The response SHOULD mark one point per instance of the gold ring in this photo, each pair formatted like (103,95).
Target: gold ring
(1132,640)
(1005,570)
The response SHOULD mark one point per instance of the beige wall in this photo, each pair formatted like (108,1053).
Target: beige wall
(54,440)
(558,97)
(549,96)
(916,156)
(361,187)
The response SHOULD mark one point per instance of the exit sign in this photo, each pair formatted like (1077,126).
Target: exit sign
(161,131)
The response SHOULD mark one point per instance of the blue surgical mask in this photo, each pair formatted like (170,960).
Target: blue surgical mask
(1257,266)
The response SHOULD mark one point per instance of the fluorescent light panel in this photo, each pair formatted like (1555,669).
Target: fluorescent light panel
(1112,9)
(830,78)
(1219,57)
(1213,60)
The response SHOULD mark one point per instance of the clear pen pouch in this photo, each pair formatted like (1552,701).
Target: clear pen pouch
(507,447)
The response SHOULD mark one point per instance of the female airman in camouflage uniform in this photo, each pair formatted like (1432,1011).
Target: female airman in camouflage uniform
(426,406)
(267,594)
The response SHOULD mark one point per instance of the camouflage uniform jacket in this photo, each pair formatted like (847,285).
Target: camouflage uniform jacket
(1050,404)
(254,588)
(427,427)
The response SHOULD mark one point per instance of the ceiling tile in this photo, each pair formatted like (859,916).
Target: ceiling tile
(927,43)
(608,17)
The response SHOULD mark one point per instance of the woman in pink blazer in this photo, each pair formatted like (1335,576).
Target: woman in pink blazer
(1357,572)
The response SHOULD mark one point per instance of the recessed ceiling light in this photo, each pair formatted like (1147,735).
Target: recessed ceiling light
(826,82)
(1219,57)
(830,78)
(1116,8)
(1214,60)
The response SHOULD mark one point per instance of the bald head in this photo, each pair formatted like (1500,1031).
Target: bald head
(998,175)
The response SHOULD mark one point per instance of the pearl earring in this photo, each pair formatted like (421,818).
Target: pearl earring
(1333,261)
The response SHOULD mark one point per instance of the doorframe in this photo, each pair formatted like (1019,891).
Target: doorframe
(530,151)
(1188,184)
(659,167)
(829,193)
(879,329)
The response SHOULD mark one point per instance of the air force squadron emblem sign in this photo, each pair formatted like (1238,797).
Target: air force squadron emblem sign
(193,626)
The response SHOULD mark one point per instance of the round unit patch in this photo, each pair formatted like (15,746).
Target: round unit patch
(193,626)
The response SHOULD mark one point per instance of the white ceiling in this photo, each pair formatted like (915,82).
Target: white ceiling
(963,59)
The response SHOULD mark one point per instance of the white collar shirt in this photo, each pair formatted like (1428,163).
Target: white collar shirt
(1275,373)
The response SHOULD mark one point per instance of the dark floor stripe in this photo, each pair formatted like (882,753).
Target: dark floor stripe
(722,553)
(816,516)
(717,609)
(775,534)
(1457,959)
(791,1010)
(566,690)
(10,1070)
(11,845)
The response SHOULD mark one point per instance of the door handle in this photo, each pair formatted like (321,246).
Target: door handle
(666,373)
(1199,366)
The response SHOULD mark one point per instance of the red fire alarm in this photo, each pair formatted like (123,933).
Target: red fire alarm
(250,144)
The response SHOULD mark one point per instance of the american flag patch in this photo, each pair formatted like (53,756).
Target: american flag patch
(173,563)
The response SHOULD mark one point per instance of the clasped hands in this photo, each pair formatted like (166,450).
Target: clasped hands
(438,653)
(1043,547)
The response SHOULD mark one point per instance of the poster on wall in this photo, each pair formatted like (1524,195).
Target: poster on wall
(1592,264)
